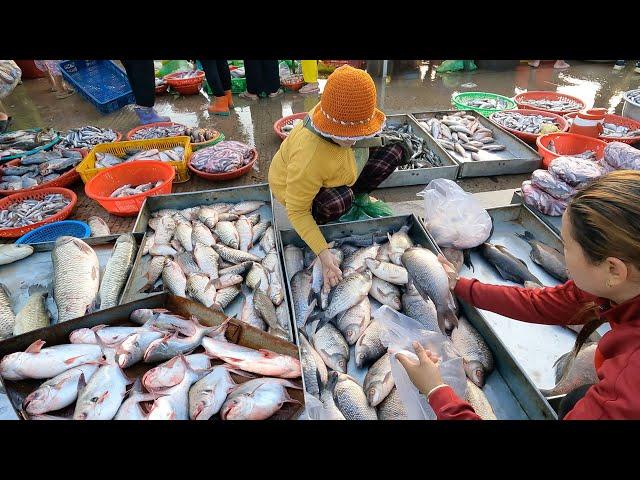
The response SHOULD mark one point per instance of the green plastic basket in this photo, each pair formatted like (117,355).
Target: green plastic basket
(209,143)
(460,102)
(238,85)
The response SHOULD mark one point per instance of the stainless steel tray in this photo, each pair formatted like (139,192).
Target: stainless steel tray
(554,223)
(518,157)
(258,192)
(509,389)
(420,176)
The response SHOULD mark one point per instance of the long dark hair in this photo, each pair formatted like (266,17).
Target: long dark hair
(605,221)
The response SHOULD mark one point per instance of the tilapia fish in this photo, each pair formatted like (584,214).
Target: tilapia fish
(476,355)
(349,292)
(303,303)
(356,261)
(475,397)
(351,399)
(171,372)
(117,270)
(130,408)
(550,259)
(293,260)
(7,318)
(183,234)
(577,372)
(389,272)
(206,259)
(228,234)
(34,314)
(424,311)
(207,395)
(76,277)
(244,208)
(248,313)
(399,242)
(174,278)
(510,267)
(392,408)
(353,322)
(331,346)
(200,233)
(200,287)
(369,347)
(386,293)
(12,252)
(314,370)
(235,256)
(257,399)
(378,382)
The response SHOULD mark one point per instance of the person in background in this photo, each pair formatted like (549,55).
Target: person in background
(57,83)
(142,80)
(620,64)
(219,79)
(601,235)
(310,75)
(560,64)
(263,76)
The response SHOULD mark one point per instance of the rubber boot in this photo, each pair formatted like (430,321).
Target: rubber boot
(148,115)
(220,107)
(229,95)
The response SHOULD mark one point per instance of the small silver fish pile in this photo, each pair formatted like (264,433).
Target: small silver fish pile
(554,105)
(128,190)
(287,127)
(523,123)
(28,212)
(87,137)
(37,169)
(617,131)
(339,325)
(212,253)
(88,378)
(422,156)
(488,103)
(463,135)
(634,96)
(22,141)
(189,74)
(225,156)
(158,132)
(176,154)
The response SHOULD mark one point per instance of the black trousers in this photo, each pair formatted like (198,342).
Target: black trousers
(570,400)
(218,75)
(262,76)
(142,79)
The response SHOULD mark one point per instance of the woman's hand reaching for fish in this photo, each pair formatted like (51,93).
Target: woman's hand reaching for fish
(330,269)
(425,375)
(451,271)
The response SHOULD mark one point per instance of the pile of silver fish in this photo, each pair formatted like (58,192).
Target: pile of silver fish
(23,141)
(212,253)
(87,137)
(554,105)
(39,168)
(225,156)
(128,189)
(423,156)
(613,130)
(634,96)
(27,212)
(86,378)
(287,127)
(334,326)
(197,134)
(587,154)
(76,284)
(523,123)
(175,154)
(189,74)
(488,103)
(463,135)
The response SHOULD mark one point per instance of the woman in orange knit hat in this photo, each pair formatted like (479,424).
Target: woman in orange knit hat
(327,159)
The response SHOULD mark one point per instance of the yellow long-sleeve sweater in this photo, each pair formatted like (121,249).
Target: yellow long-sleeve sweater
(304,163)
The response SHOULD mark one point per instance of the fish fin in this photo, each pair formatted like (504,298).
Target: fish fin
(466,254)
(70,360)
(81,383)
(98,327)
(237,371)
(35,347)
(94,306)
(103,397)
(38,288)
(449,316)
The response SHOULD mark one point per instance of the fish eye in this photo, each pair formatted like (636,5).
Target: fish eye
(94,399)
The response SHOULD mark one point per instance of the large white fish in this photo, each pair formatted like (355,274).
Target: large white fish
(11,252)
(168,347)
(162,319)
(209,393)
(257,399)
(171,373)
(117,270)
(39,363)
(130,408)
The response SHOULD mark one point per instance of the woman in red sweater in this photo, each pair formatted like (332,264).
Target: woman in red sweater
(601,234)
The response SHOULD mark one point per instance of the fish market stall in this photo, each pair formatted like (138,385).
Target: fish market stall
(507,388)
(483,151)
(200,394)
(234,264)
(430,162)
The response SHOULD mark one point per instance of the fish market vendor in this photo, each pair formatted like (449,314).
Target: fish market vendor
(327,159)
(601,234)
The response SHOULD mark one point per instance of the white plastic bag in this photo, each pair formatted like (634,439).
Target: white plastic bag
(400,332)
(453,216)
(10,75)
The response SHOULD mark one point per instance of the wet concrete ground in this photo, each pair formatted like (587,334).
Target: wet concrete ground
(411,90)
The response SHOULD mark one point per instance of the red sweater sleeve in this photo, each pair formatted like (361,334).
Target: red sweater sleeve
(448,406)
(549,306)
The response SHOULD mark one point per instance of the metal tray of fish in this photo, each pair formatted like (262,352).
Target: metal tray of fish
(59,334)
(420,176)
(554,223)
(257,192)
(517,157)
(536,347)
(509,389)
(37,269)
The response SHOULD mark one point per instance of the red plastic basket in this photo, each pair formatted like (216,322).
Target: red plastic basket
(292,82)
(522,98)
(131,132)
(278,124)
(37,195)
(616,120)
(100,187)
(185,86)
(563,125)
(568,144)
(221,177)
(160,89)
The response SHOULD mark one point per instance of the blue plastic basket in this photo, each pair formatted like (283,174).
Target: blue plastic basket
(100,82)
(52,231)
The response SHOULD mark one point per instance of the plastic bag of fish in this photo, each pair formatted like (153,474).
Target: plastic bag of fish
(87,137)
(38,169)
(622,156)
(547,182)
(453,216)
(86,378)
(544,202)
(575,171)
(105,160)
(128,189)
(23,141)
(225,156)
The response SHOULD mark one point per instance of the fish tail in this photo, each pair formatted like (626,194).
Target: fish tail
(526,236)
(466,255)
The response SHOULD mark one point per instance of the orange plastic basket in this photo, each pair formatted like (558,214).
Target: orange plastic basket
(568,144)
(185,86)
(561,122)
(37,195)
(522,99)
(100,187)
(221,177)
(278,124)
(292,82)
(616,120)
